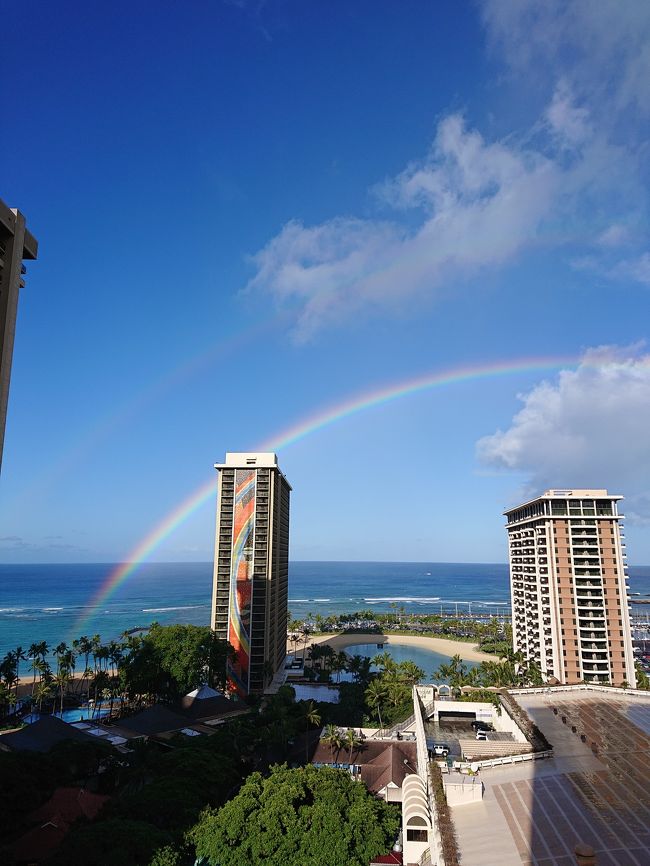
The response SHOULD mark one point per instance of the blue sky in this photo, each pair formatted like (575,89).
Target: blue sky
(248,212)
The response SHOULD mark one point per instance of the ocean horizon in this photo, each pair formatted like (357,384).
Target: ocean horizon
(50,602)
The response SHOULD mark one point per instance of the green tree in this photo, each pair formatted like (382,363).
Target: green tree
(375,697)
(642,681)
(352,742)
(333,737)
(116,842)
(312,720)
(319,816)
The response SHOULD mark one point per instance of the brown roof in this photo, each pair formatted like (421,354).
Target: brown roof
(53,820)
(381,761)
(69,804)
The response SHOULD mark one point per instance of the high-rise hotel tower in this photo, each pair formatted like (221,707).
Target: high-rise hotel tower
(568,581)
(16,244)
(251,567)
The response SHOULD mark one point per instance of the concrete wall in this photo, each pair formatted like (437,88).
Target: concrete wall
(461,790)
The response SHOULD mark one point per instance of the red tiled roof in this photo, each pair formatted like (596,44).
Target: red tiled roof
(68,804)
(53,820)
(393,857)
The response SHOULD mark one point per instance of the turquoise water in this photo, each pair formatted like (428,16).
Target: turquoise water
(81,714)
(426,659)
(48,602)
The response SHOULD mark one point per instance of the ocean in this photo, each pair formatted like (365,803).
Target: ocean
(48,602)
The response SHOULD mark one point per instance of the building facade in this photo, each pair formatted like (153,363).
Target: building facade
(251,567)
(568,583)
(16,245)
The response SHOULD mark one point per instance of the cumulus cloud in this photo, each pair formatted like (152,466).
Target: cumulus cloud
(588,428)
(475,205)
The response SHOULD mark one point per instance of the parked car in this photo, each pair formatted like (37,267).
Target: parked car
(439,750)
(478,725)
(482,735)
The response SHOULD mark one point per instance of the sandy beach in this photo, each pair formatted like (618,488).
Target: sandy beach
(467,651)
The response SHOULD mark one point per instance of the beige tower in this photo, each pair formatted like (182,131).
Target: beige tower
(251,567)
(568,581)
(16,244)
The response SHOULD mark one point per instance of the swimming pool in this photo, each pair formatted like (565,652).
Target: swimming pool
(79,714)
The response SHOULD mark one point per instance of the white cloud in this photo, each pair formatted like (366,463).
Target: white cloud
(589,428)
(473,204)
(637,268)
(479,203)
(602,48)
(568,121)
(615,235)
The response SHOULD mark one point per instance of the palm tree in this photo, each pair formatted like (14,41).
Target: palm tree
(34,655)
(375,696)
(332,736)
(385,661)
(8,668)
(339,663)
(411,673)
(83,646)
(351,741)
(294,639)
(42,692)
(7,698)
(312,717)
(305,639)
(60,682)
(20,656)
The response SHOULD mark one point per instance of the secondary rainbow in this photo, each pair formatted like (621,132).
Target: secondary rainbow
(306,427)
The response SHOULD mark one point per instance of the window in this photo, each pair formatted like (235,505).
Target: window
(413,835)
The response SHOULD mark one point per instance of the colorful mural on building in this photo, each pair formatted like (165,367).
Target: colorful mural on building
(241,579)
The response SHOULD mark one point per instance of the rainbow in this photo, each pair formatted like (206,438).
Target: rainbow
(134,406)
(305,428)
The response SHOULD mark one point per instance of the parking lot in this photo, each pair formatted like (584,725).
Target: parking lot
(450,730)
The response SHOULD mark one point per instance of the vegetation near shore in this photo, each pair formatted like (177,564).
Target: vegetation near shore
(162,664)
(319,816)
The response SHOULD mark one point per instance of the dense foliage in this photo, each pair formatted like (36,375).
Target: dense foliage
(171,660)
(164,792)
(292,817)
(160,664)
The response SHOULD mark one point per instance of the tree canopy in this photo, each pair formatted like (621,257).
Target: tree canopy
(173,659)
(319,816)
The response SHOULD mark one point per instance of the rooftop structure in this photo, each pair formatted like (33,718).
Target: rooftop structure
(381,764)
(17,244)
(593,791)
(570,609)
(251,567)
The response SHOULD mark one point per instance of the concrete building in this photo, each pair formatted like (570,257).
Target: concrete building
(16,245)
(570,610)
(251,567)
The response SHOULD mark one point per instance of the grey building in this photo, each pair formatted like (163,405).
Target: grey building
(251,567)
(16,245)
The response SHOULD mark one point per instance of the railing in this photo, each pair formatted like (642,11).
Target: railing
(408,723)
(579,687)
(513,759)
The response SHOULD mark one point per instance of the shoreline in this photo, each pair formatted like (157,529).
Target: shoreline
(467,651)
